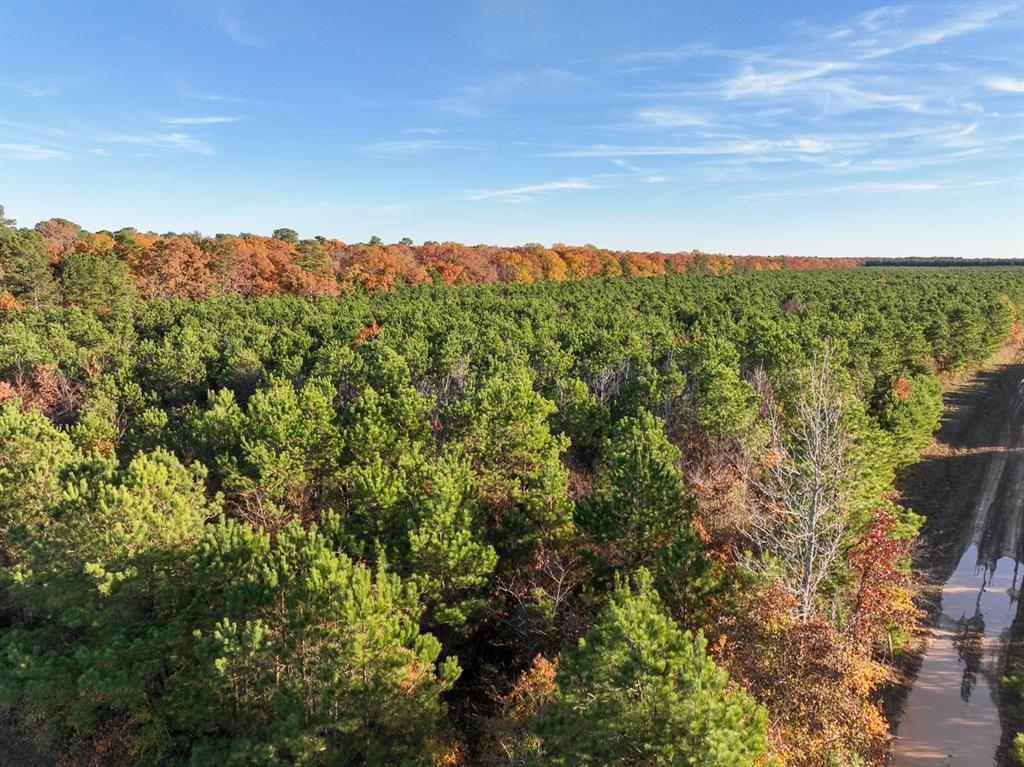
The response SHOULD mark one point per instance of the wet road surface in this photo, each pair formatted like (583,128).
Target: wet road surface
(970,486)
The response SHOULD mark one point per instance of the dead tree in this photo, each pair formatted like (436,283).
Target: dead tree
(803,488)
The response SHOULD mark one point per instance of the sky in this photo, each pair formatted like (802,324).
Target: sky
(838,129)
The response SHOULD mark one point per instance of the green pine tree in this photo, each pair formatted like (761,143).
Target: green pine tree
(639,691)
(639,502)
(517,461)
(315,660)
(25,266)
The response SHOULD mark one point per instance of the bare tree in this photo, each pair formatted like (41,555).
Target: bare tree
(803,488)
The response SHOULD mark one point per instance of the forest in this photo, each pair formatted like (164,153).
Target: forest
(270,501)
(59,261)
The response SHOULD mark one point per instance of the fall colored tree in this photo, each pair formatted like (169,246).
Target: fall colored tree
(61,236)
(171,267)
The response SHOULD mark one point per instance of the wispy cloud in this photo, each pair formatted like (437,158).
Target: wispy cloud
(669,117)
(868,187)
(529,191)
(1005,84)
(228,20)
(686,51)
(191,93)
(842,69)
(200,120)
(751,82)
(215,97)
(181,142)
(33,152)
(480,99)
(645,175)
(30,89)
(798,145)
(973,19)
(475,100)
(416,147)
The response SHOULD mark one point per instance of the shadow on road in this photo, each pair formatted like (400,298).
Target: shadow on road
(970,488)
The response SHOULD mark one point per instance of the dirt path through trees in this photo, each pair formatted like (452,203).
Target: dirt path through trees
(970,486)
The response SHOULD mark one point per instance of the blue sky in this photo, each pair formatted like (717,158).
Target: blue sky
(817,128)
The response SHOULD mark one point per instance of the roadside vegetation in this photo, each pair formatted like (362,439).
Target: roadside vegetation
(591,521)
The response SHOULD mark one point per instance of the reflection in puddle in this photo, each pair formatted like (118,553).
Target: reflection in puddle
(952,717)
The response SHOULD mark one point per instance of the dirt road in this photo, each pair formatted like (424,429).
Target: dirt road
(970,486)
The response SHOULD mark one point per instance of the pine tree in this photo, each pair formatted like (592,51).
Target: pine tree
(100,283)
(725,403)
(447,556)
(315,660)
(639,502)
(33,455)
(25,266)
(638,690)
(517,461)
(288,445)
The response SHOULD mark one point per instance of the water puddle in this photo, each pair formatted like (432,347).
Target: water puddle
(952,714)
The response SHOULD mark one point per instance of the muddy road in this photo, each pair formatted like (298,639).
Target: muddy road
(970,486)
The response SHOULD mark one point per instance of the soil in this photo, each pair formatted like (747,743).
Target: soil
(17,751)
(970,487)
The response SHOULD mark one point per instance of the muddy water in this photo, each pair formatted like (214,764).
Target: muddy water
(952,715)
(972,491)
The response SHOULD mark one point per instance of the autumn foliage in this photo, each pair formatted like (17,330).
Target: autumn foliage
(196,266)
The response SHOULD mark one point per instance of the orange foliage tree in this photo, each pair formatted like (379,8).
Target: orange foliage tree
(172,267)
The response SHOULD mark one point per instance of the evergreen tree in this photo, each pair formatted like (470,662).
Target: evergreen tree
(725,403)
(103,599)
(639,502)
(447,556)
(98,283)
(25,266)
(315,660)
(33,455)
(638,690)
(517,461)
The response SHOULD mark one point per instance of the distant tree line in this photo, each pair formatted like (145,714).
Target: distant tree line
(945,261)
(59,261)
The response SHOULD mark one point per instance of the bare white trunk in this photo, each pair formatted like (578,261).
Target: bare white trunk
(801,491)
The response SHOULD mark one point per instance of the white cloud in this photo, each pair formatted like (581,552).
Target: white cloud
(666,117)
(171,141)
(687,51)
(1005,84)
(868,187)
(752,83)
(34,152)
(190,93)
(414,147)
(872,20)
(526,193)
(30,90)
(228,20)
(974,20)
(200,120)
(798,145)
